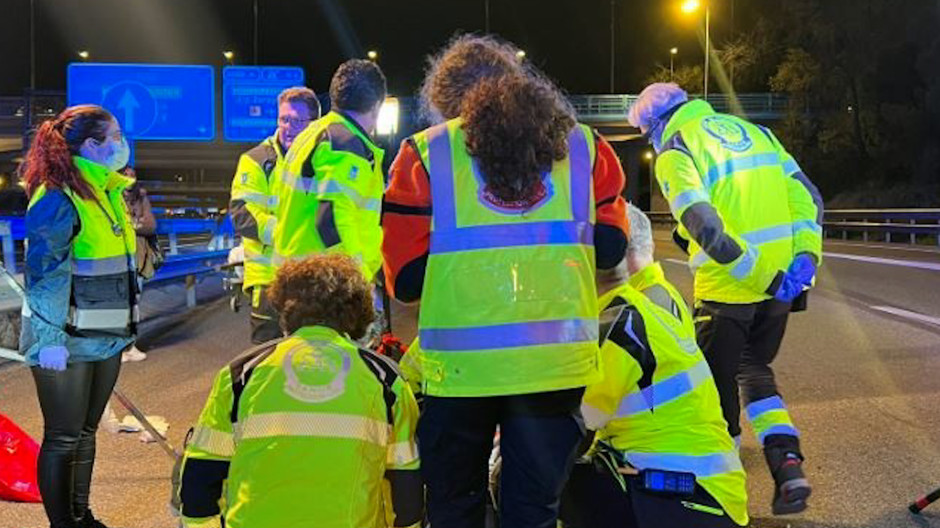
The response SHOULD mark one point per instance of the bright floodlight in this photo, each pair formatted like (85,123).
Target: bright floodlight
(387,124)
(229,55)
(373,54)
(84,54)
(691,6)
(648,155)
(674,51)
(520,54)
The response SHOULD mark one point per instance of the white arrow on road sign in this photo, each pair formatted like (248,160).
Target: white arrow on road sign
(128,104)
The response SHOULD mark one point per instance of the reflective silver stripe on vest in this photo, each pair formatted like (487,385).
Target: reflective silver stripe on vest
(759,237)
(312,424)
(701,465)
(665,391)
(102,266)
(105,319)
(256,198)
(335,187)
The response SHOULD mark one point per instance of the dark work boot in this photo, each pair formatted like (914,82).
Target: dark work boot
(791,489)
(89,521)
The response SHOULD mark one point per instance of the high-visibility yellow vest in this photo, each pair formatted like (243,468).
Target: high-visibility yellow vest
(657,401)
(308,429)
(347,173)
(509,304)
(255,185)
(744,172)
(104,287)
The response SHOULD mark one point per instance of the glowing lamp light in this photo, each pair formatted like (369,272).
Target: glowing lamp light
(387,123)
(691,6)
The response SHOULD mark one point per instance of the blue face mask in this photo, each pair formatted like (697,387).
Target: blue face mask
(119,156)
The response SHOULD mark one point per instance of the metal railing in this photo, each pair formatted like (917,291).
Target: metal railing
(599,108)
(913,226)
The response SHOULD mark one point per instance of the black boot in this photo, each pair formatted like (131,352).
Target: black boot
(791,488)
(89,521)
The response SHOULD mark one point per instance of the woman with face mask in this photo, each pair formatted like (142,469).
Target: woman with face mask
(81,295)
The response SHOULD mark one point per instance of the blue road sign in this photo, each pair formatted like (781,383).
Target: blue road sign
(151,101)
(249,99)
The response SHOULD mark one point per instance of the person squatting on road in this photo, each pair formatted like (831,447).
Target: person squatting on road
(309,430)
(655,411)
(496,219)
(752,224)
(254,204)
(81,295)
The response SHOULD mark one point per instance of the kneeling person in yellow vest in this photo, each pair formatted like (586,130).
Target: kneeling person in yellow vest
(332,183)
(656,412)
(254,204)
(311,430)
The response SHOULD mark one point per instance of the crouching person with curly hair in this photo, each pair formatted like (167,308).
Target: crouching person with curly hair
(310,430)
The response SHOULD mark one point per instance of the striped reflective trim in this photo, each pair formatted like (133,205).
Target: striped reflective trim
(256,198)
(579,159)
(734,165)
(594,418)
(202,522)
(512,235)
(335,187)
(103,319)
(267,236)
(298,182)
(509,335)
(746,265)
(806,225)
(665,391)
(769,234)
(791,167)
(401,454)
(102,266)
(759,407)
(441,175)
(319,425)
(687,198)
(701,465)
(213,442)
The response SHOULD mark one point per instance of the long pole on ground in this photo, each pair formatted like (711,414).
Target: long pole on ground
(613,47)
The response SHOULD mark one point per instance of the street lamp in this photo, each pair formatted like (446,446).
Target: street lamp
(672,63)
(520,54)
(373,55)
(84,54)
(229,56)
(691,6)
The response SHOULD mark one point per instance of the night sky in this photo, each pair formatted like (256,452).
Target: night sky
(569,39)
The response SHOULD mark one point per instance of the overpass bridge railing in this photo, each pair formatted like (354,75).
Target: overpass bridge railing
(614,107)
(911,226)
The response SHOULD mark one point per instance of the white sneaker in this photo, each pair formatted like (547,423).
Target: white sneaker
(133,354)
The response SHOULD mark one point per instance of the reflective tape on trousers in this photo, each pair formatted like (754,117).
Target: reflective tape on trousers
(106,319)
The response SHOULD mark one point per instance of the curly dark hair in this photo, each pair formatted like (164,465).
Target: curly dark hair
(325,290)
(357,86)
(516,126)
(458,66)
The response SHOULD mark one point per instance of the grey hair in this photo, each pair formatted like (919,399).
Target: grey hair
(641,232)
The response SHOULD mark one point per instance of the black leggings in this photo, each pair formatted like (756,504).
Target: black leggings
(72,403)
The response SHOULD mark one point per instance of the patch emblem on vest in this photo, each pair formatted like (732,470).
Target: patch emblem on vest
(542,194)
(353,173)
(244,178)
(316,371)
(728,132)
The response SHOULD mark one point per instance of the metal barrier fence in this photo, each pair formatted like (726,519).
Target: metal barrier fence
(613,107)
(913,226)
(192,246)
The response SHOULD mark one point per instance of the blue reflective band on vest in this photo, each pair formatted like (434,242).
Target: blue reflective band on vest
(440,173)
(743,268)
(664,391)
(759,407)
(579,156)
(510,235)
(687,198)
(806,225)
(509,335)
(764,236)
(734,165)
(791,167)
(702,466)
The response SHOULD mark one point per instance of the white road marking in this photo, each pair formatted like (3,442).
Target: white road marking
(914,316)
(896,247)
(932,266)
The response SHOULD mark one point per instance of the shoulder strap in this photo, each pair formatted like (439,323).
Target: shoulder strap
(242,367)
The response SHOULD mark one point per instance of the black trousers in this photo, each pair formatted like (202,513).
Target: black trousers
(740,341)
(72,403)
(593,498)
(539,434)
(265,325)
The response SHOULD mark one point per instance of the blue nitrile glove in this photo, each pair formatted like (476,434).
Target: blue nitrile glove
(53,357)
(790,288)
(803,269)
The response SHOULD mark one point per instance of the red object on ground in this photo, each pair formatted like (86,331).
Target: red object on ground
(18,457)
(392,347)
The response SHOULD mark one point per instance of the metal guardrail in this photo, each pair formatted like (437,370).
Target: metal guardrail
(907,223)
(599,108)
(193,247)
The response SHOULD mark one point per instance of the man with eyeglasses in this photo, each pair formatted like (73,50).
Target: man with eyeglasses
(255,201)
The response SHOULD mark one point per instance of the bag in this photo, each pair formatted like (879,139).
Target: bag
(19,455)
(151,257)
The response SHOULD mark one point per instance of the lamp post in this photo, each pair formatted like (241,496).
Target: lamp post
(689,7)
(672,63)
(229,56)
(373,55)
(84,55)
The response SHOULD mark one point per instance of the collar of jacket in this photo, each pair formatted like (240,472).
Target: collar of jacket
(648,276)
(687,112)
(355,124)
(101,177)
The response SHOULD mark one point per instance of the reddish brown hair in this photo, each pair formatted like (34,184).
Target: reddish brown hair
(49,160)
(324,290)
(516,127)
